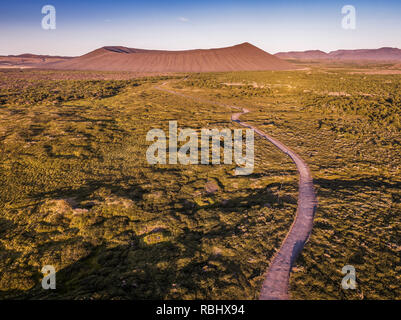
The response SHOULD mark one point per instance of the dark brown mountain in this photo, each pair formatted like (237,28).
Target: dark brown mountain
(236,58)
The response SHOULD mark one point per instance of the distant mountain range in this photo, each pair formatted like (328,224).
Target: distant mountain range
(382,54)
(241,57)
(28,60)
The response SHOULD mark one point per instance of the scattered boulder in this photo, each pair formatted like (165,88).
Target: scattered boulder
(211,187)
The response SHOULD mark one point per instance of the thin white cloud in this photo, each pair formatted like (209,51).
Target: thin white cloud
(183,19)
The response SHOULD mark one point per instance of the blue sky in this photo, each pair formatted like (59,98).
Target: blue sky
(274,26)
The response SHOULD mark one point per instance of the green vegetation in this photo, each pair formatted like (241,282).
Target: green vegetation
(77,193)
(345,127)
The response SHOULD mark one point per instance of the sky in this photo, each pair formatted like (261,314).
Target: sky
(274,26)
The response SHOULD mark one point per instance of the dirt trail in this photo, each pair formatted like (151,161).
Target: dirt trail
(276,283)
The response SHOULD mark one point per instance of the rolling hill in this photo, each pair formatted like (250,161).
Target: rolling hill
(381,54)
(28,60)
(303,55)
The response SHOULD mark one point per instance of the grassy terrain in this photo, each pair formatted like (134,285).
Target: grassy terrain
(347,129)
(77,193)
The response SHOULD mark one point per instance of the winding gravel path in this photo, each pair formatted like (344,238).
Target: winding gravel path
(276,283)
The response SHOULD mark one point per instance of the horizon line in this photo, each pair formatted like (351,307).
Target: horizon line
(238,44)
